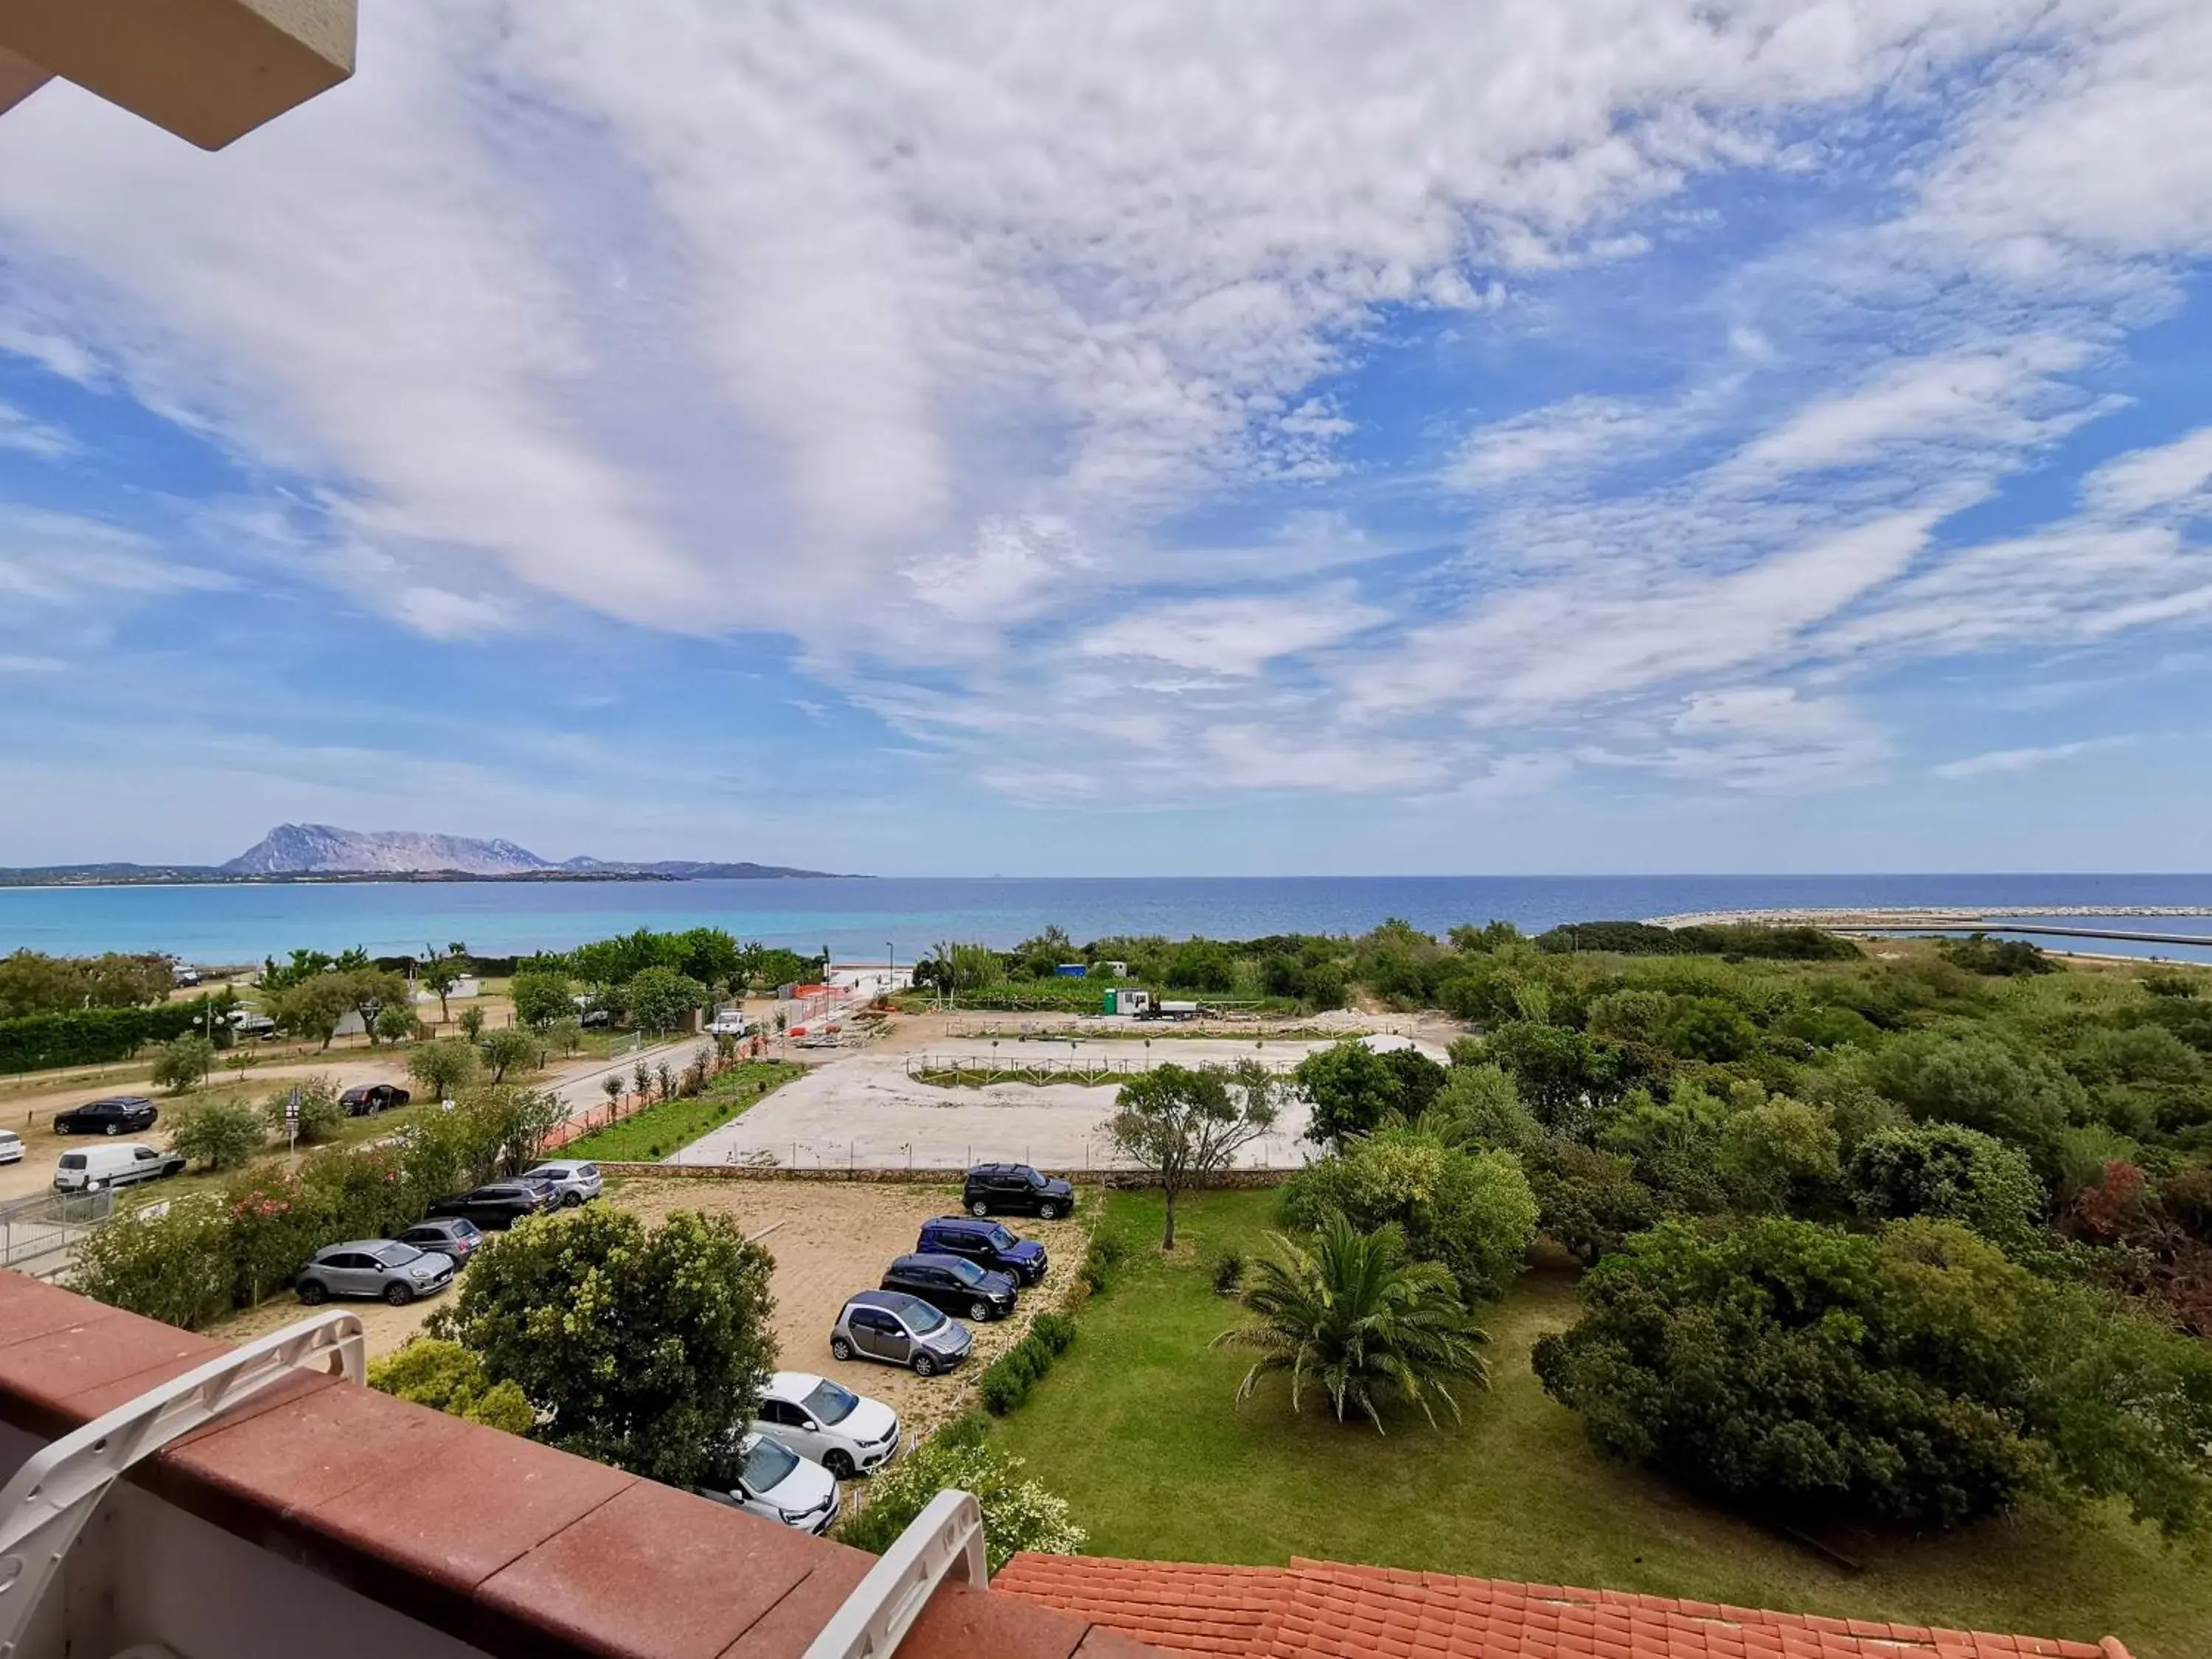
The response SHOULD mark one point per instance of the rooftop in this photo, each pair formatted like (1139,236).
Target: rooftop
(1322,1610)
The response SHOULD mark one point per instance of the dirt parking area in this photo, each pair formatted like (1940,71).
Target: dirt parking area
(828,1239)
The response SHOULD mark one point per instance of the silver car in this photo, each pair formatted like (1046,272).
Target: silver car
(899,1329)
(572,1183)
(374,1267)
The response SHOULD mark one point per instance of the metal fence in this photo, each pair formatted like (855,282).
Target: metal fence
(964,1070)
(40,1233)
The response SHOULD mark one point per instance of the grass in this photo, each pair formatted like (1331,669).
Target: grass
(673,1124)
(1137,1428)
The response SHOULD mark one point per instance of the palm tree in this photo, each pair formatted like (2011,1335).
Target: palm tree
(1348,1314)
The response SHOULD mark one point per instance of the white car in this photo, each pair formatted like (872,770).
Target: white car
(764,1476)
(847,1433)
(572,1183)
(729,1023)
(11,1146)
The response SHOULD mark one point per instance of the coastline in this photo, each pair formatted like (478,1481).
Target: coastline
(1913,916)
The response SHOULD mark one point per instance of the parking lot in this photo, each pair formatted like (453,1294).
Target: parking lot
(829,1240)
(862,1111)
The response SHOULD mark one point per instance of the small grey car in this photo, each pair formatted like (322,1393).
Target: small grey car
(899,1329)
(572,1183)
(374,1267)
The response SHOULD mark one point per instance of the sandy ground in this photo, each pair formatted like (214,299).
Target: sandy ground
(863,1111)
(828,1242)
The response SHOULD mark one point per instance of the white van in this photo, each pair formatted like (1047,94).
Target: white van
(122,1163)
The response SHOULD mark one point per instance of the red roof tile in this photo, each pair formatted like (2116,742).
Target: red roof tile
(1326,1610)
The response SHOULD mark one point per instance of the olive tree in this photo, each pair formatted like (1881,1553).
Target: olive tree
(643,1347)
(183,1066)
(445,1067)
(1184,1125)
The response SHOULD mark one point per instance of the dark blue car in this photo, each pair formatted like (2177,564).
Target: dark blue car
(986,1243)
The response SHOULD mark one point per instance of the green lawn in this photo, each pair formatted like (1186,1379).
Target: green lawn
(659,1130)
(1137,1428)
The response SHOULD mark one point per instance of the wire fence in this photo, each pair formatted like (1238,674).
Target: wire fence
(977,1071)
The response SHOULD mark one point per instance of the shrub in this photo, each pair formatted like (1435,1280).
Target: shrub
(970,1428)
(219,1134)
(321,1117)
(88,1037)
(1002,1387)
(1946,1173)
(1228,1272)
(1055,1331)
(1471,1211)
(183,1063)
(1018,1514)
(175,1267)
(2187,1200)
(445,1067)
(1916,1377)
(1101,1262)
(446,1377)
(1587,1201)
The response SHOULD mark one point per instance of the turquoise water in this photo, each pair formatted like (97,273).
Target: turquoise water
(862,918)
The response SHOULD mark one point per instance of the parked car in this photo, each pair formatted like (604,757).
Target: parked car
(498,1205)
(762,1476)
(574,1183)
(954,1284)
(1016,1188)
(11,1146)
(372,1098)
(986,1243)
(374,1267)
(452,1234)
(117,1115)
(848,1434)
(900,1330)
(97,1168)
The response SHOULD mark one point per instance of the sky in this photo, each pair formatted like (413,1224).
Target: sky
(1213,436)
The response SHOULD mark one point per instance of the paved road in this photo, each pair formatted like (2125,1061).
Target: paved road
(862,1111)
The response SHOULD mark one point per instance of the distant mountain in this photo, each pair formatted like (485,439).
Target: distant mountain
(323,849)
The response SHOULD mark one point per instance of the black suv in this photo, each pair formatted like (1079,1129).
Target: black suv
(954,1284)
(373,1097)
(118,1115)
(1018,1188)
(986,1243)
(497,1207)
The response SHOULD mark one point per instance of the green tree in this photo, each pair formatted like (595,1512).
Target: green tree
(313,1007)
(1968,1076)
(510,1049)
(513,1123)
(217,1135)
(1587,1201)
(395,1021)
(369,992)
(1778,1153)
(1354,1089)
(321,1117)
(1946,1173)
(659,999)
(445,1067)
(473,1022)
(1560,1073)
(446,1377)
(1708,1028)
(439,975)
(1917,1375)
(1018,1514)
(1470,1211)
(1480,1106)
(541,998)
(1348,1313)
(1184,1127)
(644,1348)
(183,1064)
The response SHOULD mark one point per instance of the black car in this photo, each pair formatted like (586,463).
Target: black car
(1016,1188)
(954,1284)
(985,1243)
(499,1206)
(373,1097)
(118,1115)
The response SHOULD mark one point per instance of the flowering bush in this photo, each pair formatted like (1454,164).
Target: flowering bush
(1018,1514)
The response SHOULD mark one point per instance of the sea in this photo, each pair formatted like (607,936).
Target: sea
(858,918)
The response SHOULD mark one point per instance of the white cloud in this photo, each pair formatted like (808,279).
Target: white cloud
(1234,636)
(2000,761)
(59,559)
(2165,476)
(19,432)
(1568,434)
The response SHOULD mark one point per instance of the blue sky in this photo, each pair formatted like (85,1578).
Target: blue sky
(1348,436)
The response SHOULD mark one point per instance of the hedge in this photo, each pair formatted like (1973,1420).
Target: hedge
(92,1037)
